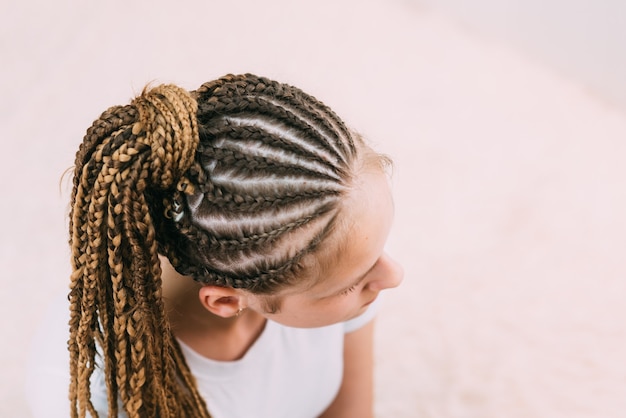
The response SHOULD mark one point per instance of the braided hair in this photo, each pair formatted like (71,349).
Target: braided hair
(235,183)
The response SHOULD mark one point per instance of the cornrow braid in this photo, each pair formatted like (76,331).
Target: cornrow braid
(257,136)
(115,292)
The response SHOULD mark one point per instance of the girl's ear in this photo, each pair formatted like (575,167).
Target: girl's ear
(221,301)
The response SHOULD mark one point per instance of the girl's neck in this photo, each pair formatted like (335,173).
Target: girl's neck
(212,336)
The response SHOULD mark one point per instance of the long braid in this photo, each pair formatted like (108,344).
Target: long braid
(115,296)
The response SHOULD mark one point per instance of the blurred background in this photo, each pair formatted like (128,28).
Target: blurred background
(506,120)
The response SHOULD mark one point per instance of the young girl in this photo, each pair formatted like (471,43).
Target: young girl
(226,246)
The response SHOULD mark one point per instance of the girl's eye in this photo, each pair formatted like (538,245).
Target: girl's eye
(348,290)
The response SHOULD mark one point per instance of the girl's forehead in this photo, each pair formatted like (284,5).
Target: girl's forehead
(359,236)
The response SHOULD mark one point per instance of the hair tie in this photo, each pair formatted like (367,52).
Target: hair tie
(167,122)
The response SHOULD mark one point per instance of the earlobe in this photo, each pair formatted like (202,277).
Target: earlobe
(221,301)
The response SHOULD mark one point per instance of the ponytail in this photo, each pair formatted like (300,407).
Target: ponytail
(115,296)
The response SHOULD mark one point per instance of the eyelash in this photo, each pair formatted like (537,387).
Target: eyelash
(348,290)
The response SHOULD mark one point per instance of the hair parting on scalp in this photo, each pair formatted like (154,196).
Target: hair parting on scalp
(235,183)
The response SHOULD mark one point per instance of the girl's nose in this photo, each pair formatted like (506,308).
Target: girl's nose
(389,274)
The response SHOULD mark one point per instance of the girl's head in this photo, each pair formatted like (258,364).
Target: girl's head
(245,184)
(267,189)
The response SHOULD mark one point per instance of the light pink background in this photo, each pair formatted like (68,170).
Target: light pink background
(509,185)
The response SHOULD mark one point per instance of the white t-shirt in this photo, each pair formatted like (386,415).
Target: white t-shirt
(287,372)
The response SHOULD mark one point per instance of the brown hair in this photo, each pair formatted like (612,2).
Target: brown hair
(235,183)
